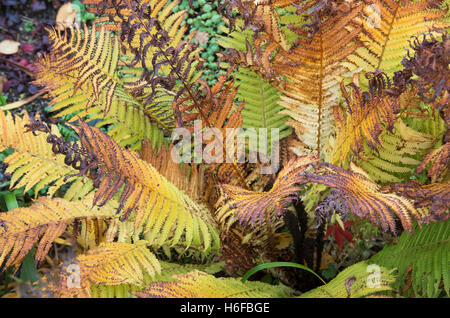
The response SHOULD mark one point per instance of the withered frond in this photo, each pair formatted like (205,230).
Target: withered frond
(368,114)
(364,198)
(249,206)
(436,196)
(439,158)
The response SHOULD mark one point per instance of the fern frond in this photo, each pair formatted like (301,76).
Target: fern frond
(42,223)
(159,205)
(83,79)
(249,206)
(435,195)
(400,154)
(353,282)
(388,26)
(365,119)
(427,251)
(167,271)
(33,164)
(364,198)
(201,285)
(311,86)
(108,264)
(439,159)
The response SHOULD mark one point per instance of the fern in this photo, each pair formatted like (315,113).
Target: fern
(201,285)
(250,206)
(92,88)
(386,33)
(42,223)
(109,264)
(427,252)
(398,156)
(353,282)
(311,86)
(33,163)
(261,108)
(364,198)
(159,205)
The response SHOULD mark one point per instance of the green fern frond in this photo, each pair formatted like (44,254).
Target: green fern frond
(428,253)
(401,153)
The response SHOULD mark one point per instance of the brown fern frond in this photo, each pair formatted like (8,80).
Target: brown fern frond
(434,195)
(42,223)
(250,206)
(430,63)
(439,159)
(364,198)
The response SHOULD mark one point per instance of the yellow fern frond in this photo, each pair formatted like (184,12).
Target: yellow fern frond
(33,164)
(42,223)
(201,285)
(388,26)
(365,119)
(163,210)
(109,264)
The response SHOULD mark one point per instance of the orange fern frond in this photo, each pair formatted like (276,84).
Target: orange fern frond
(249,206)
(311,86)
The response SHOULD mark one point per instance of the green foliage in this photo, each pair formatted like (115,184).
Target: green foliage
(422,260)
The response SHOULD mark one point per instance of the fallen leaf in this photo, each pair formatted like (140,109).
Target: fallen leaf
(9,47)
(201,37)
(66,16)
